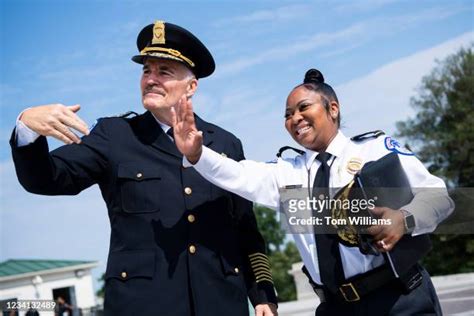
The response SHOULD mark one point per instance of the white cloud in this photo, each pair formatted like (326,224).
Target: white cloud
(88,72)
(345,39)
(380,98)
(362,5)
(299,46)
(433,14)
(285,13)
(236,104)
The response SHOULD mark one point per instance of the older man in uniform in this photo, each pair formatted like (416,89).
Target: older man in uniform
(179,245)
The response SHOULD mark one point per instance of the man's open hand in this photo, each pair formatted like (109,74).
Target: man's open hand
(186,136)
(55,120)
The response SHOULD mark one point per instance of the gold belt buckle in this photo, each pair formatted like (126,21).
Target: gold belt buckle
(351,296)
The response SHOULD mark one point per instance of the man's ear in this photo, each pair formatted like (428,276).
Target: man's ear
(191,88)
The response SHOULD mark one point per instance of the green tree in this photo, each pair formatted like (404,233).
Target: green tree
(442,132)
(443,129)
(280,263)
(280,254)
(269,228)
(100,292)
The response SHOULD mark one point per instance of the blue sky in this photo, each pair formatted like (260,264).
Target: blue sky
(374,53)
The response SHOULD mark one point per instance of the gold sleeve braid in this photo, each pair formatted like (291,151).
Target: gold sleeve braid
(260,267)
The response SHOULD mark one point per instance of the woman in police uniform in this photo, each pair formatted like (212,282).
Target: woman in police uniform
(347,280)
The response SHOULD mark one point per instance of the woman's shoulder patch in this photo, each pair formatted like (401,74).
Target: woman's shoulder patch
(393,145)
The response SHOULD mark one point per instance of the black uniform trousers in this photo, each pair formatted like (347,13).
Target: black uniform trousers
(388,300)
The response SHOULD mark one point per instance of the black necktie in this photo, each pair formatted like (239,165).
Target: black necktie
(170,133)
(329,258)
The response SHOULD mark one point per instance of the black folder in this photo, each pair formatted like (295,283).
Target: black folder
(376,178)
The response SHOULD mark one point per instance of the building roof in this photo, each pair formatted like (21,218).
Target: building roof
(17,267)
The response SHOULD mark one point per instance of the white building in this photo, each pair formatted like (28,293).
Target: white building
(22,279)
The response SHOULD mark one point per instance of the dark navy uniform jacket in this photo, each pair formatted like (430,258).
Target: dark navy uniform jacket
(179,245)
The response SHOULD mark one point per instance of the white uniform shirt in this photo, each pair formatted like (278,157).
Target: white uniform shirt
(260,182)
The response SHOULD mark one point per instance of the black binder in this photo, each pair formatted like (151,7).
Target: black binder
(374,179)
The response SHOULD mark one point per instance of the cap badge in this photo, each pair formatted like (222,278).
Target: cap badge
(158,33)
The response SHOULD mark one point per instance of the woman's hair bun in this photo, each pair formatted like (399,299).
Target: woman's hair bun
(313,76)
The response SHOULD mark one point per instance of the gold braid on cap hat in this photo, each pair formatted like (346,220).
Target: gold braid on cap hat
(170,51)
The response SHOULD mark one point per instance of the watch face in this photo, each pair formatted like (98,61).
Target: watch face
(410,222)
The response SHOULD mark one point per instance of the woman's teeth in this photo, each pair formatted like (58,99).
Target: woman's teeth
(303,130)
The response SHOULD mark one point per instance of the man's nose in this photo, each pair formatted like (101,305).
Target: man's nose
(151,79)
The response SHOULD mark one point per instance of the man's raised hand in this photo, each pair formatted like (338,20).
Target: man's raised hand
(186,136)
(55,120)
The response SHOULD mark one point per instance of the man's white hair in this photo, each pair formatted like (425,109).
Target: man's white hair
(189,74)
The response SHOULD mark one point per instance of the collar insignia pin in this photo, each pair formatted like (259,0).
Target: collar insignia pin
(354,165)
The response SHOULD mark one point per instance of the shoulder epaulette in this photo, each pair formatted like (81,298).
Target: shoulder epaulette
(368,135)
(284,148)
(123,115)
(127,114)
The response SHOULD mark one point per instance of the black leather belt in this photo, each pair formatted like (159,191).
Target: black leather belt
(355,288)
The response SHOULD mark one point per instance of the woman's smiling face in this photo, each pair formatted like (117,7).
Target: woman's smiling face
(308,121)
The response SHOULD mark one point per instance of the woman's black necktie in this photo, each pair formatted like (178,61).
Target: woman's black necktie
(329,257)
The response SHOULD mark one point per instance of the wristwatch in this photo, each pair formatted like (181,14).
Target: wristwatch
(409,221)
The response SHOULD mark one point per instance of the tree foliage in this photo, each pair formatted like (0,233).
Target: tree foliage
(101,292)
(269,228)
(281,262)
(443,129)
(442,132)
(281,255)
